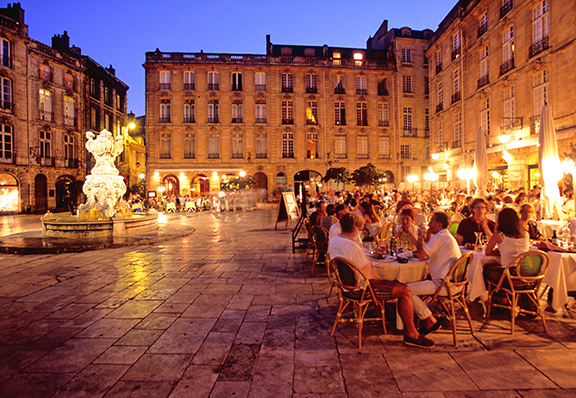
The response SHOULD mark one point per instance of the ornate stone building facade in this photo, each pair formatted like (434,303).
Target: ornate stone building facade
(43,115)
(285,116)
(493,65)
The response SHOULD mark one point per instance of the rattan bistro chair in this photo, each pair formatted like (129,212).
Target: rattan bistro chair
(311,249)
(453,288)
(354,288)
(384,233)
(320,236)
(453,227)
(523,275)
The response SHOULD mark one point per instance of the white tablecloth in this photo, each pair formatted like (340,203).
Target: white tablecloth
(390,269)
(561,276)
(547,227)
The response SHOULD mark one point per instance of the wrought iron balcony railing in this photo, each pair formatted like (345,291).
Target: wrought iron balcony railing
(483,81)
(538,47)
(507,66)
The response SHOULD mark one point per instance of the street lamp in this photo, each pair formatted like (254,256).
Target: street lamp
(412,178)
(242,173)
(430,176)
(467,174)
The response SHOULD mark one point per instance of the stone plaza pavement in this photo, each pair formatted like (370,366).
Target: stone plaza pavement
(229,311)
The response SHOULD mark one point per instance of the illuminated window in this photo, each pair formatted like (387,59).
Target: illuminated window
(358,59)
(311,112)
(336,59)
(68,111)
(45,105)
(311,145)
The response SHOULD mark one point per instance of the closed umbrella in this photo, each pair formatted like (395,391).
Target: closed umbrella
(481,165)
(550,168)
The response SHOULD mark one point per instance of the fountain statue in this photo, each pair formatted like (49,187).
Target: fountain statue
(104,187)
(105,213)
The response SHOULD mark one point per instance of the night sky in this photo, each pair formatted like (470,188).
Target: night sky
(120,32)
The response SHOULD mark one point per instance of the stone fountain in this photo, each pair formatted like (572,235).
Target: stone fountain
(105,213)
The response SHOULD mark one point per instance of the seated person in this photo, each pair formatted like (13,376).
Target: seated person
(512,240)
(320,212)
(527,214)
(443,251)
(466,209)
(330,218)
(373,223)
(477,223)
(336,229)
(346,246)
(402,231)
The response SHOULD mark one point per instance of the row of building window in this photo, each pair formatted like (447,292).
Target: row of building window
(287,83)
(44,149)
(287,111)
(287,144)
(540,42)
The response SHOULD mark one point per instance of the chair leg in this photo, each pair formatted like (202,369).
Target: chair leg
(467,313)
(383,315)
(341,309)
(453,316)
(360,322)
(540,312)
(513,311)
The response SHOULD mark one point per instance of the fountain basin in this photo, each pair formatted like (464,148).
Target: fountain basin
(71,228)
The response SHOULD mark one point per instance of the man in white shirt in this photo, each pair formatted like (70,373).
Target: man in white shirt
(346,246)
(336,229)
(443,251)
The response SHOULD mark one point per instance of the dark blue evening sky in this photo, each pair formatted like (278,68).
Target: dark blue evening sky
(120,32)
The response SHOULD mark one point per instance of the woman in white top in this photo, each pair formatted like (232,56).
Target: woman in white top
(407,223)
(512,239)
(372,220)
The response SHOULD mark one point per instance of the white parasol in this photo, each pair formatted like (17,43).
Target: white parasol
(481,165)
(550,168)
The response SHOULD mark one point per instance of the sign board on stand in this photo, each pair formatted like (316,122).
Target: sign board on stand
(288,210)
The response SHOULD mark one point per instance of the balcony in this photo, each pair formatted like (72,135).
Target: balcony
(361,91)
(213,86)
(535,125)
(410,132)
(457,144)
(384,123)
(441,146)
(236,88)
(339,90)
(213,156)
(310,122)
(362,156)
(237,120)
(440,107)
(457,96)
(438,68)
(260,120)
(47,161)
(312,90)
(483,81)
(455,53)
(538,47)
(384,156)
(287,89)
(261,155)
(340,122)
(260,87)
(362,123)
(46,116)
(164,119)
(506,8)
(382,91)
(69,121)
(237,155)
(213,119)
(288,155)
(287,121)
(481,30)
(72,163)
(189,119)
(164,86)
(189,86)
(507,66)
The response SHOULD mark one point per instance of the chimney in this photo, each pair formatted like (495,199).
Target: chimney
(111,70)
(61,43)
(13,11)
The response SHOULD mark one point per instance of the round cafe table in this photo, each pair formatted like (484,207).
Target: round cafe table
(390,269)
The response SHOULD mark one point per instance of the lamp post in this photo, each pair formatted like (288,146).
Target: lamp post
(412,178)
